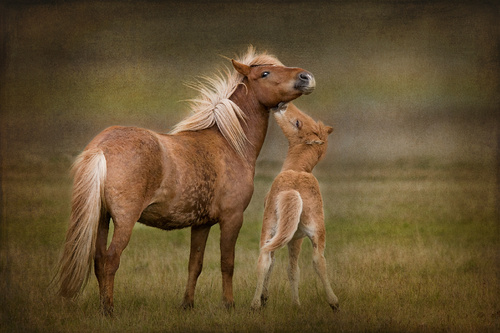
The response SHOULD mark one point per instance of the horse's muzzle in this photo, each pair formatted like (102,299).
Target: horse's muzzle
(305,82)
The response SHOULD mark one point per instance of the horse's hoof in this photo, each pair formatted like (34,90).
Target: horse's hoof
(107,312)
(229,305)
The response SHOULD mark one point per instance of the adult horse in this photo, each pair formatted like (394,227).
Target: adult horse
(198,175)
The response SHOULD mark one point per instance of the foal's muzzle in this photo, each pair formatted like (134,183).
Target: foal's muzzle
(305,82)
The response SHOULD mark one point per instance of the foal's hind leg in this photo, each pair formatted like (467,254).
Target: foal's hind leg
(199,235)
(319,263)
(293,268)
(263,272)
(265,289)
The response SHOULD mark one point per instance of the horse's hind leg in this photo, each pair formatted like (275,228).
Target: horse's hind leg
(319,263)
(293,268)
(199,235)
(109,262)
(100,254)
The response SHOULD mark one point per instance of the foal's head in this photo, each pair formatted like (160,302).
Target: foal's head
(274,84)
(303,133)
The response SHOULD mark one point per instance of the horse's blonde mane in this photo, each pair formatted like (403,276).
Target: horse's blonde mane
(213,106)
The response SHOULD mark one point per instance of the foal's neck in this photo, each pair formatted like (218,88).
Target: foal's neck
(256,121)
(300,158)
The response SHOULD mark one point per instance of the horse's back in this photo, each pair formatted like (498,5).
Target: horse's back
(134,159)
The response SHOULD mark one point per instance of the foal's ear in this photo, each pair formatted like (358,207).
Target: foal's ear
(241,68)
(328,129)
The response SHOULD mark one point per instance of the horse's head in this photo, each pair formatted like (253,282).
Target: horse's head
(301,130)
(274,84)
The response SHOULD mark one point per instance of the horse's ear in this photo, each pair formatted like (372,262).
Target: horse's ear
(241,68)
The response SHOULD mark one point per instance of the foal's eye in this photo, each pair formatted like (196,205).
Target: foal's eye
(298,124)
(264,74)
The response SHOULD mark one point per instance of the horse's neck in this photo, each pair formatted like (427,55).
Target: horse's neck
(256,121)
(299,158)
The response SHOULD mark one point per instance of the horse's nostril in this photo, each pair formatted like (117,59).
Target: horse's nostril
(305,76)
(305,82)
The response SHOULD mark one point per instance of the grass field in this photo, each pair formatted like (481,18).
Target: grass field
(410,182)
(413,249)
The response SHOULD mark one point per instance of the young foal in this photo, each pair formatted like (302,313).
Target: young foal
(294,207)
(199,175)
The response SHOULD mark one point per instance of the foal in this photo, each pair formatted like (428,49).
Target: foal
(294,207)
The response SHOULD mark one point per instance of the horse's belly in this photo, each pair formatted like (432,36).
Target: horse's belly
(168,219)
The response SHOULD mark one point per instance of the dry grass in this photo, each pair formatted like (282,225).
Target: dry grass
(408,250)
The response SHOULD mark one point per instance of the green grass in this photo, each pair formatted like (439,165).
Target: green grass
(412,249)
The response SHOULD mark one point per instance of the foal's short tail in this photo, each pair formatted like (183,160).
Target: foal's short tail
(86,207)
(289,209)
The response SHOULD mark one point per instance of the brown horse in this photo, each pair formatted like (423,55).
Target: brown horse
(294,207)
(198,175)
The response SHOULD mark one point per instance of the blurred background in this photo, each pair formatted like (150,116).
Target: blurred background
(401,81)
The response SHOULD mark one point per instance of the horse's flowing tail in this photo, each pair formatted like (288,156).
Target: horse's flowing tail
(289,209)
(89,173)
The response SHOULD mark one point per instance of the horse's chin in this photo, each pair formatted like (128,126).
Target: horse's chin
(307,90)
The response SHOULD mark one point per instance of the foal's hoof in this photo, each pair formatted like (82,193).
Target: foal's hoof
(256,306)
(186,305)
(263,300)
(335,307)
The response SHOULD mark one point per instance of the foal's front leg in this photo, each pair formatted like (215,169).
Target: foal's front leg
(199,235)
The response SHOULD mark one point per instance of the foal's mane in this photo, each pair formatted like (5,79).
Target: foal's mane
(213,106)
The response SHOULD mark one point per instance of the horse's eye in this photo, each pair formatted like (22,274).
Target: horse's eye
(298,124)
(265,74)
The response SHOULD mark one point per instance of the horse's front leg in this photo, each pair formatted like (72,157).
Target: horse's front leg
(199,235)
(230,228)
